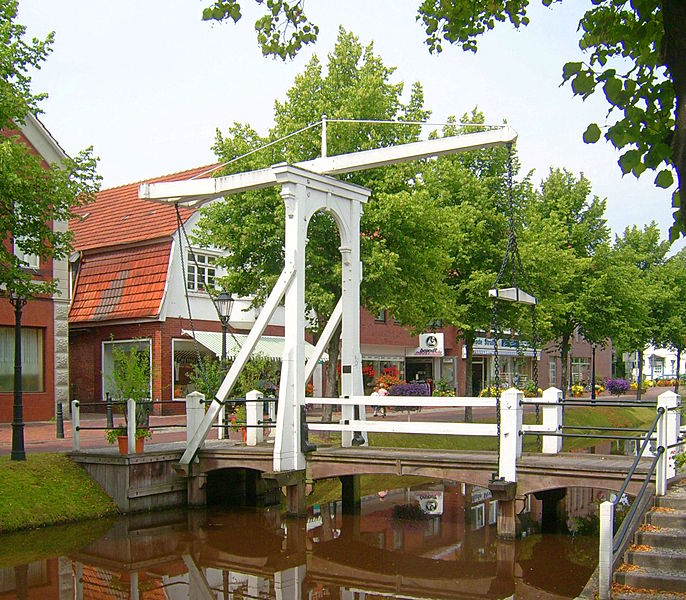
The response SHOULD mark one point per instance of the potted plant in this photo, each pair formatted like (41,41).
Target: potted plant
(130,378)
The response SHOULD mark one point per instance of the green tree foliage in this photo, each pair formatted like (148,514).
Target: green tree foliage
(640,253)
(130,379)
(31,194)
(565,242)
(404,267)
(636,53)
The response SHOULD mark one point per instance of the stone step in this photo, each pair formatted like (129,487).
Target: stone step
(661,538)
(675,499)
(667,517)
(670,560)
(652,579)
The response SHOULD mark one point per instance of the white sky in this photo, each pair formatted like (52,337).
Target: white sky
(146,82)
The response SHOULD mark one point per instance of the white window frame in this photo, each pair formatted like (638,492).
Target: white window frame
(207,264)
(492,512)
(552,372)
(478,516)
(31,261)
(106,361)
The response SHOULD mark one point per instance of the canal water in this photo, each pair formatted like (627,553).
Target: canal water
(434,541)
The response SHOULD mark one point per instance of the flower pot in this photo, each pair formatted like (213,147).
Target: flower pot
(123,442)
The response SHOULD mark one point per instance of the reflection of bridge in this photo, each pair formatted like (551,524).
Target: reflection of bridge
(207,555)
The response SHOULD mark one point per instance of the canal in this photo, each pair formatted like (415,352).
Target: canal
(430,541)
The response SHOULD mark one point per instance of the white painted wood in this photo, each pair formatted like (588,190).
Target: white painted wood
(131,424)
(512,295)
(419,427)
(324,339)
(414,401)
(605,560)
(195,411)
(254,412)
(288,584)
(261,323)
(510,433)
(552,420)
(199,191)
(75,425)
(672,426)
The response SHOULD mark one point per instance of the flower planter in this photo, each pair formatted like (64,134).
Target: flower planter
(123,442)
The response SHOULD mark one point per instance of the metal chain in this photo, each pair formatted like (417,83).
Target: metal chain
(496,366)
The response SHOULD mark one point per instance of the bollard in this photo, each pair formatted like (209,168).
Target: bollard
(108,410)
(75,426)
(510,433)
(60,422)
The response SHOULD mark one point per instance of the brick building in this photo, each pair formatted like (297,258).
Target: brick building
(45,375)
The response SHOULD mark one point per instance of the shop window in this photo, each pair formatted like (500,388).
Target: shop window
(32,359)
(201,271)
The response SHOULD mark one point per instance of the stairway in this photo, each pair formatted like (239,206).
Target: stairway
(655,565)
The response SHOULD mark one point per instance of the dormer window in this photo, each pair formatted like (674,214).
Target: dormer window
(201,271)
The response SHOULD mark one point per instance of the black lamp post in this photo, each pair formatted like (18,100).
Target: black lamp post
(593,372)
(223,303)
(18,453)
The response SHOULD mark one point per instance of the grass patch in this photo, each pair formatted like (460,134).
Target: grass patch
(47,489)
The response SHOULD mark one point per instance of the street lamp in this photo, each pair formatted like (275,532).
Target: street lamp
(223,303)
(18,453)
(593,372)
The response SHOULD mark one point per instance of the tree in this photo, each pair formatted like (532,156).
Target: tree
(643,253)
(566,242)
(32,195)
(404,267)
(636,54)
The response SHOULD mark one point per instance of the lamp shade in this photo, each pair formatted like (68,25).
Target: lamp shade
(223,304)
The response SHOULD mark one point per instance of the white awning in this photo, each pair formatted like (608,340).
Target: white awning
(270,346)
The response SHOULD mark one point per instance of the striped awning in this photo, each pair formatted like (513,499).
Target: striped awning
(270,346)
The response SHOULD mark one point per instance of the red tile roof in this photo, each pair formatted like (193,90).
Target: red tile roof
(127,283)
(117,216)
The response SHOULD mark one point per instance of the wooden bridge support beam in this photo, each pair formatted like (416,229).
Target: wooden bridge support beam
(197,490)
(350,494)
(508,526)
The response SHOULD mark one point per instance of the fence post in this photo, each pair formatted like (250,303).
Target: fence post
(195,411)
(75,425)
(510,433)
(605,554)
(108,411)
(667,435)
(552,420)
(131,425)
(254,414)
(221,421)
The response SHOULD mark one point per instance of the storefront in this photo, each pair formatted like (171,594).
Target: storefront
(515,362)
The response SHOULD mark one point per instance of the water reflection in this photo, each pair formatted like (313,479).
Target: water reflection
(441,543)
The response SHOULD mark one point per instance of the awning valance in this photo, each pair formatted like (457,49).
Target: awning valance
(270,346)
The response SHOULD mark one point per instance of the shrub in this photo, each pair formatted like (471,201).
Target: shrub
(617,387)
(409,389)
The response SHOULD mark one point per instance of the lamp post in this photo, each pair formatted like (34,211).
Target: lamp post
(17,453)
(223,303)
(593,372)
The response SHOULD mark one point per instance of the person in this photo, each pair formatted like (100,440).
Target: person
(383,392)
(376,393)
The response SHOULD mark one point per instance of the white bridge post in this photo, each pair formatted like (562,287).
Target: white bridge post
(667,435)
(552,420)
(510,433)
(75,426)
(254,412)
(195,412)
(131,424)
(605,554)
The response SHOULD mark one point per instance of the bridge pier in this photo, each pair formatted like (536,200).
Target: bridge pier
(508,526)
(197,490)
(350,494)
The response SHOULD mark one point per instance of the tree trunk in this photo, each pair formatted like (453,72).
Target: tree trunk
(639,379)
(564,357)
(333,350)
(678,370)
(468,341)
(674,56)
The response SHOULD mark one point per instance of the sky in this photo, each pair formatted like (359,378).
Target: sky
(147,83)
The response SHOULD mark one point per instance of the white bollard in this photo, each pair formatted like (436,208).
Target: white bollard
(510,433)
(552,420)
(195,411)
(605,560)
(75,424)
(254,412)
(131,424)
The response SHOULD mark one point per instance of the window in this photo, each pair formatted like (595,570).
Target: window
(492,512)
(144,345)
(201,271)
(552,372)
(580,369)
(477,516)
(31,261)
(32,367)
(380,317)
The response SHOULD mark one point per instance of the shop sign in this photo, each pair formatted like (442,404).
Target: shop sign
(430,502)
(506,347)
(480,494)
(430,344)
